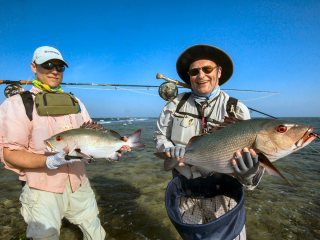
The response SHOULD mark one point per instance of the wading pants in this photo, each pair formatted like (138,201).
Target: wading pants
(43,212)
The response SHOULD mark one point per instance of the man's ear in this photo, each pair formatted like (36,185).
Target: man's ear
(33,67)
(219,72)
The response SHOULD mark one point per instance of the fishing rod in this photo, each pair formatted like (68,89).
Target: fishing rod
(165,91)
(172,81)
(161,76)
(158,76)
(27,82)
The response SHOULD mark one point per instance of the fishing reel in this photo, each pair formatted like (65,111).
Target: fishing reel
(13,89)
(168,91)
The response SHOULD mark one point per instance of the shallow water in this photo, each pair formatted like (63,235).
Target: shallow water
(130,195)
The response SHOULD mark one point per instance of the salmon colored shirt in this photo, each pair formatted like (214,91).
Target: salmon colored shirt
(19,133)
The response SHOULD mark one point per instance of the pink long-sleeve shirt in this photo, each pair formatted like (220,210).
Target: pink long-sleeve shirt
(19,133)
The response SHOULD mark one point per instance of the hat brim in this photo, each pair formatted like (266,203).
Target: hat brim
(208,52)
(42,60)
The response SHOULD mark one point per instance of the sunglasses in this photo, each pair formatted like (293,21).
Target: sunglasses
(206,69)
(49,66)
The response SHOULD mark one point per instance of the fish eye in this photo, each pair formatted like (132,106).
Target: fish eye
(58,138)
(281,129)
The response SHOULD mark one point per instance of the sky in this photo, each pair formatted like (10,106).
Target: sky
(274,46)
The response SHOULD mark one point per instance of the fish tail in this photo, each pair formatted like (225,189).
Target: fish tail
(134,139)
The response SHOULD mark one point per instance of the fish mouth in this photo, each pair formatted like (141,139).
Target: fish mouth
(50,147)
(307,138)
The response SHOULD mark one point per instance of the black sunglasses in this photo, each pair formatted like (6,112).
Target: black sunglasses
(49,66)
(206,69)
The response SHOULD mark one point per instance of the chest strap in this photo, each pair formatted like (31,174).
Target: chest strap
(27,100)
(183,100)
(231,107)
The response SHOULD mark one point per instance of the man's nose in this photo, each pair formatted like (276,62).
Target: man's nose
(201,74)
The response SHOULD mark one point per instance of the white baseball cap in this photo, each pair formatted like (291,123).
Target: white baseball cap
(46,53)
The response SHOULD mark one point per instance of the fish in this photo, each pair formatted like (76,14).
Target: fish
(272,139)
(91,141)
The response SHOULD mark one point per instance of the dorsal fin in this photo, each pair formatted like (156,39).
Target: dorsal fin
(230,120)
(92,125)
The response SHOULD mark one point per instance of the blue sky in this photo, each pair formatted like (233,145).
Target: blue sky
(274,46)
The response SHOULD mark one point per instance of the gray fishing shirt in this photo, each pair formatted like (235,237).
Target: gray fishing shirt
(178,127)
(215,110)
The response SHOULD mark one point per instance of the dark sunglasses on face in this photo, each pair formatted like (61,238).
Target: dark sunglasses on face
(205,69)
(49,66)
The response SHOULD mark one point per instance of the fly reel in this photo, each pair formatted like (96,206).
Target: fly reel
(13,89)
(168,91)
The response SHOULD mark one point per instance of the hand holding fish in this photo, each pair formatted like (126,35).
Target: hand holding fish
(124,148)
(245,165)
(92,141)
(54,161)
(177,152)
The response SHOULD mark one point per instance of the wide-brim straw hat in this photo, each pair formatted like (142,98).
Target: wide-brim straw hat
(202,51)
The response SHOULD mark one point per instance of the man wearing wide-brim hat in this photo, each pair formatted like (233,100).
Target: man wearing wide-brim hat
(205,68)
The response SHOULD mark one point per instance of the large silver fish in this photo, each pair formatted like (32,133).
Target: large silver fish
(270,138)
(91,140)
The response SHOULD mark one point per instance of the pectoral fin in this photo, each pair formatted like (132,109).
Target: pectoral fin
(270,168)
(86,156)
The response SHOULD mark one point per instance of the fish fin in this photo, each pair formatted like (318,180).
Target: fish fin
(114,157)
(79,152)
(114,133)
(169,164)
(134,139)
(228,120)
(92,125)
(271,169)
(160,155)
(194,139)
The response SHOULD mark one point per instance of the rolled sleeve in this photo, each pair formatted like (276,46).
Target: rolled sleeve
(164,127)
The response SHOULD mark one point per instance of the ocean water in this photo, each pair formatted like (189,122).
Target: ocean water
(130,194)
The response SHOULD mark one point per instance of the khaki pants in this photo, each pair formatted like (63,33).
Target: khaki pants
(43,212)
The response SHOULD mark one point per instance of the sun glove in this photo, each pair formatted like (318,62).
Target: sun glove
(246,168)
(177,151)
(54,161)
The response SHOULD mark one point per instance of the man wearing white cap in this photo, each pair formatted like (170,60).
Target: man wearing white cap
(54,188)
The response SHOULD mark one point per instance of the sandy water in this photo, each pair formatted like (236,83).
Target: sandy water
(130,195)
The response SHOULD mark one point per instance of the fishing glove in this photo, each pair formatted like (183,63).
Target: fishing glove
(54,161)
(177,151)
(246,168)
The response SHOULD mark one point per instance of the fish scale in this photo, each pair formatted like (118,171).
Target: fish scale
(91,140)
(213,152)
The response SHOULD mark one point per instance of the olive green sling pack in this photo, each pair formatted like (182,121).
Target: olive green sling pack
(50,104)
(57,103)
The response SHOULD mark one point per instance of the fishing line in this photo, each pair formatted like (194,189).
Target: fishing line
(258,98)
(314,149)
(116,88)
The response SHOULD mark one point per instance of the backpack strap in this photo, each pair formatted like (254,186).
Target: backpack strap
(183,100)
(28,103)
(231,106)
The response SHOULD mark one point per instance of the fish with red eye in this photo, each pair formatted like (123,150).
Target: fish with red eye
(281,129)
(58,138)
